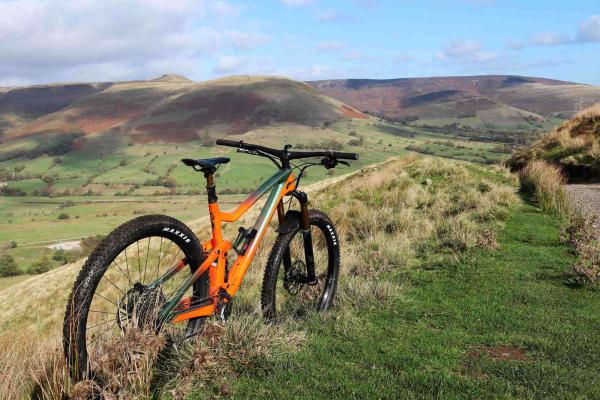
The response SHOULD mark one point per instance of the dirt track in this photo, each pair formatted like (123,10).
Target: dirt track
(586,198)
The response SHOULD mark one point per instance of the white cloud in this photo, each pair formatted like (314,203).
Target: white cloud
(246,40)
(14,81)
(330,45)
(228,64)
(549,39)
(311,72)
(51,40)
(589,31)
(481,2)
(243,65)
(334,15)
(297,3)
(403,58)
(465,52)
(359,56)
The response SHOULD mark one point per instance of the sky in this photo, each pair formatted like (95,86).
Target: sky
(44,41)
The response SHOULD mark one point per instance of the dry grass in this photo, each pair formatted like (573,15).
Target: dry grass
(545,181)
(573,145)
(401,214)
(583,236)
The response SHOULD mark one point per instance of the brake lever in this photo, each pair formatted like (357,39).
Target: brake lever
(247,151)
(346,163)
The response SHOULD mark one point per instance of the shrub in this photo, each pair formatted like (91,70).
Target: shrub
(40,266)
(89,244)
(63,216)
(583,236)
(357,142)
(9,191)
(8,266)
(65,256)
(545,182)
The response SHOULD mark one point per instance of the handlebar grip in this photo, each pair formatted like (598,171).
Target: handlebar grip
(230,143)
(345,156)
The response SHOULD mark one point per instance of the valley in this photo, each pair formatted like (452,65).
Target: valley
(78,159)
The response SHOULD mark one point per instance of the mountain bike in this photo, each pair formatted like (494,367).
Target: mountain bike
(153,273)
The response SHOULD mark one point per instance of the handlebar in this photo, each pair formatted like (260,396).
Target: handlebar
(288,155)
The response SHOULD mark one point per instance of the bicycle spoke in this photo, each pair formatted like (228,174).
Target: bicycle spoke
(100,324)
(139,262)
(126,261)
(101,312)
(112,302)
(112,283)
(147,254)
(159,258)
(127,276)
(167,249)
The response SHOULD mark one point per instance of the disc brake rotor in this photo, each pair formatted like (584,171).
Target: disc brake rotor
(294,278)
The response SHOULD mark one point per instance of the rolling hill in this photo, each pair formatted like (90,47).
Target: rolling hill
(494,102)
(575,146)
(169,109)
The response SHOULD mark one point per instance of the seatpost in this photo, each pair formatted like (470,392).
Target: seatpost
(210,187)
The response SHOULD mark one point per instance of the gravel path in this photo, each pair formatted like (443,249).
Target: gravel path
(585,197)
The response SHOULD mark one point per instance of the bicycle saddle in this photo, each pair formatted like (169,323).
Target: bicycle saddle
(205,164)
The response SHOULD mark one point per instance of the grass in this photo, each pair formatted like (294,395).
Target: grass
(32,221)
(392,218)
(435,338)
(545,181)
(451,287)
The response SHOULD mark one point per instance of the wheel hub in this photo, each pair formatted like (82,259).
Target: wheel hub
(142,305)
(294,278)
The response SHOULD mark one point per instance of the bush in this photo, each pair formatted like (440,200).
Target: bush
(11,192)
(63,216)
(583,236)
(65,256)
(40,266)
(545,182)
(89,244)
(8,266)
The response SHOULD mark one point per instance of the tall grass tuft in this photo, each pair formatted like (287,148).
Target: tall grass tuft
(582,234)
(545,182)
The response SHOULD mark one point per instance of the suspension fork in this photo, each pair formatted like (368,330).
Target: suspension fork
(307,237)
(287,257)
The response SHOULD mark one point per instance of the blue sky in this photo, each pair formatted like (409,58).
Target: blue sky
(99,40)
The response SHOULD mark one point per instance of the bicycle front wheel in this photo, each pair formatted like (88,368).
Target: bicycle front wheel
(115,290)
(286,289)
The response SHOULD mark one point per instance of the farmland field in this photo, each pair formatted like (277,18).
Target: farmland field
(82,194)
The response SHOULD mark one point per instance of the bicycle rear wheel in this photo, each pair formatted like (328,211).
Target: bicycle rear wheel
(112,295)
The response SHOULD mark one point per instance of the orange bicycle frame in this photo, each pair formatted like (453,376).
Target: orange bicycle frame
(221,286)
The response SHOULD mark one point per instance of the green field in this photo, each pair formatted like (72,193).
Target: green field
(497,325)
(99,191)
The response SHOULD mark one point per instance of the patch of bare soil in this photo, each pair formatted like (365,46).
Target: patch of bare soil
(508,353)
(352,113)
